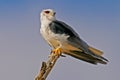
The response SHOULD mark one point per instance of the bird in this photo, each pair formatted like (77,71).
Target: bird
(63,39)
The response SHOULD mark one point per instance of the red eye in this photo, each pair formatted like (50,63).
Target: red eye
(47,12)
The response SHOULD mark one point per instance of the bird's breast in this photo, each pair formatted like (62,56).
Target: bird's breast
(53,39)
(50,37)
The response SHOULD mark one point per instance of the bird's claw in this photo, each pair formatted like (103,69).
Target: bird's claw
(57,51)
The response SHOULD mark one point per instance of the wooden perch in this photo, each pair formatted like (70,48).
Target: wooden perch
(47,67)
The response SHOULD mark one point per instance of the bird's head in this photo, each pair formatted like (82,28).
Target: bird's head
(48,14)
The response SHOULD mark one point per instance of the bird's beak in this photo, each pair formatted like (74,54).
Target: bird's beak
(54,13)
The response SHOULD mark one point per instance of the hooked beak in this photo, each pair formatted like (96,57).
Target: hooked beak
(54,13)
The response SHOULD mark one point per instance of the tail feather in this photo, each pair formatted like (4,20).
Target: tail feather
(86,57)
(95,51)
(75,55)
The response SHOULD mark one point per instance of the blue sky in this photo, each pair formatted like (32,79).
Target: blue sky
(22,48)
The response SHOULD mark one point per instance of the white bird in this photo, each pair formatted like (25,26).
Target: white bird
(63,39)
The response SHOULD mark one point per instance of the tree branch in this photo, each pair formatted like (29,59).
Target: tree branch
(47,67)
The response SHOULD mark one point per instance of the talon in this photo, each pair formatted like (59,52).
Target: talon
(57,51)
(62,55)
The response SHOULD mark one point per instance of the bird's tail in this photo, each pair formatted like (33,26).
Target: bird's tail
(97,53)
(94,59)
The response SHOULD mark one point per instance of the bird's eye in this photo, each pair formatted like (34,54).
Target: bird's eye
(47,12)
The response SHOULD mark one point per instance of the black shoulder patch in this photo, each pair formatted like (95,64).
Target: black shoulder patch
(61,28)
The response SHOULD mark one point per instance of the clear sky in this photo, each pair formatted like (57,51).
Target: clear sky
(22,48)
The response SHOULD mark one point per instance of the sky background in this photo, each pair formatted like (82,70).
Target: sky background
(22,48)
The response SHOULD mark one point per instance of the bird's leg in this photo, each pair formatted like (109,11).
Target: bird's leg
(57,51)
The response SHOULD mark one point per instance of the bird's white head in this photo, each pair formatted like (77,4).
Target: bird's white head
(47,15)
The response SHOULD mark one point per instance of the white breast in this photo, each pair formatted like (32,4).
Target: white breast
(55,40)
(49,36)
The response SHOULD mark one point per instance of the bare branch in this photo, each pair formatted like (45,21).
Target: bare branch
(47,67)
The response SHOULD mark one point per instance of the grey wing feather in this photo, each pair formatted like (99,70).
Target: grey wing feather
(63,28)
(59,27)
(84,53)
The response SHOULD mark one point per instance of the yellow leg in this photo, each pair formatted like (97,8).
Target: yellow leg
(57,51)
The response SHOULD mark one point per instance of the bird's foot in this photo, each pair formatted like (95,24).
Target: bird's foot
(57,51)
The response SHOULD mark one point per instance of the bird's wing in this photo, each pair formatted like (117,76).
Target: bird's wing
(59,27)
